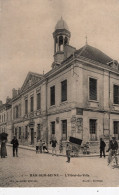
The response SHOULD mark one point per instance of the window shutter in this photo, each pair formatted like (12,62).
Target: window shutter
(32,104)
(64,129)
(38,101)
(52,95)
(53,128)
(64,90)
(116,127)
(92,126)
(26,106)
(93,89)
(116,94)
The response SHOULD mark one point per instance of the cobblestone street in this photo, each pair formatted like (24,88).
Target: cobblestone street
(44,170)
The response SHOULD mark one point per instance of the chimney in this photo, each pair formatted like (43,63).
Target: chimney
(19,90)
(8,99)
(0,103)
(14,92)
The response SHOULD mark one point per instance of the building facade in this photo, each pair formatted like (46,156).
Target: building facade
(6,118)
(79,97)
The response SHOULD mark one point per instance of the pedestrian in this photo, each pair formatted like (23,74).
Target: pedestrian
(40,146)
(61,146)
(113,147)
(102,148)
(37,147)
(45,149)
(3,149)
(54,143)
(68,152)
(15,144)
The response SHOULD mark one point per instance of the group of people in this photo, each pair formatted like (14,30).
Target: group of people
(15,144)
(41,146)
(53,143)
(112,149)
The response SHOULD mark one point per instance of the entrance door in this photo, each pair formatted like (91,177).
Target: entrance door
(32,136)
(93,129)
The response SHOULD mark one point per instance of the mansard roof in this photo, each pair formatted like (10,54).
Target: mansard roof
(93,53)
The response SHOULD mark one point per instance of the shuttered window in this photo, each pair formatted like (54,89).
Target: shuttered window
(38,132)
(26,106)
(52,95)
(64,90)
(64,129)
(93,126)
(92,89)
(26,132)
(32,104)
(53,128)
(38,101)
(116,94)
(116,127)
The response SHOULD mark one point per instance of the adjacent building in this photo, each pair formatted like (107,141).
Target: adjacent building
(79,97)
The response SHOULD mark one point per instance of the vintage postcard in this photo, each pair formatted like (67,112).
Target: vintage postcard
(59,93)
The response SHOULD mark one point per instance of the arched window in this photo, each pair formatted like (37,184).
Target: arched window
(61,43)
(65,41)
(56,44)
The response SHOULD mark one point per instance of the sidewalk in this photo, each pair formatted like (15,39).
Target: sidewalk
(32,148)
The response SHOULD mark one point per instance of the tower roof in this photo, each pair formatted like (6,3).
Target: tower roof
(61,24)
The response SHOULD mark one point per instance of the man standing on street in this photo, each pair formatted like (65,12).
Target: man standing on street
(54,143)
(113,147)
(68,151)
(15,144)
(102,148)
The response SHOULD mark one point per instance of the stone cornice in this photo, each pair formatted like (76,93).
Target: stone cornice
(64,65)
(96,64)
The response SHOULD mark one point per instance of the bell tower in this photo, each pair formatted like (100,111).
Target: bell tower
(61,37)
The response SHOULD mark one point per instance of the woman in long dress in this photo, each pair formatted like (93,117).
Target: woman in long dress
(3,149)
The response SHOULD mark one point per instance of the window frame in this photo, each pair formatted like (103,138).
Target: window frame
(39,102)
(114,94)
(62,121)
(52,98)
(66,95)
(117,130)
(53,128)
(93,100)
(26,107)
(32,104)
(26,132)
(93,131)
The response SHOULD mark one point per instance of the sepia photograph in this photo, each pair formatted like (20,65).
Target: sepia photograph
(59,94)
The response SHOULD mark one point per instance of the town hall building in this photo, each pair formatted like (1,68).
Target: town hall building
(78,97)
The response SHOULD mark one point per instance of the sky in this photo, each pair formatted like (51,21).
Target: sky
(26,27)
